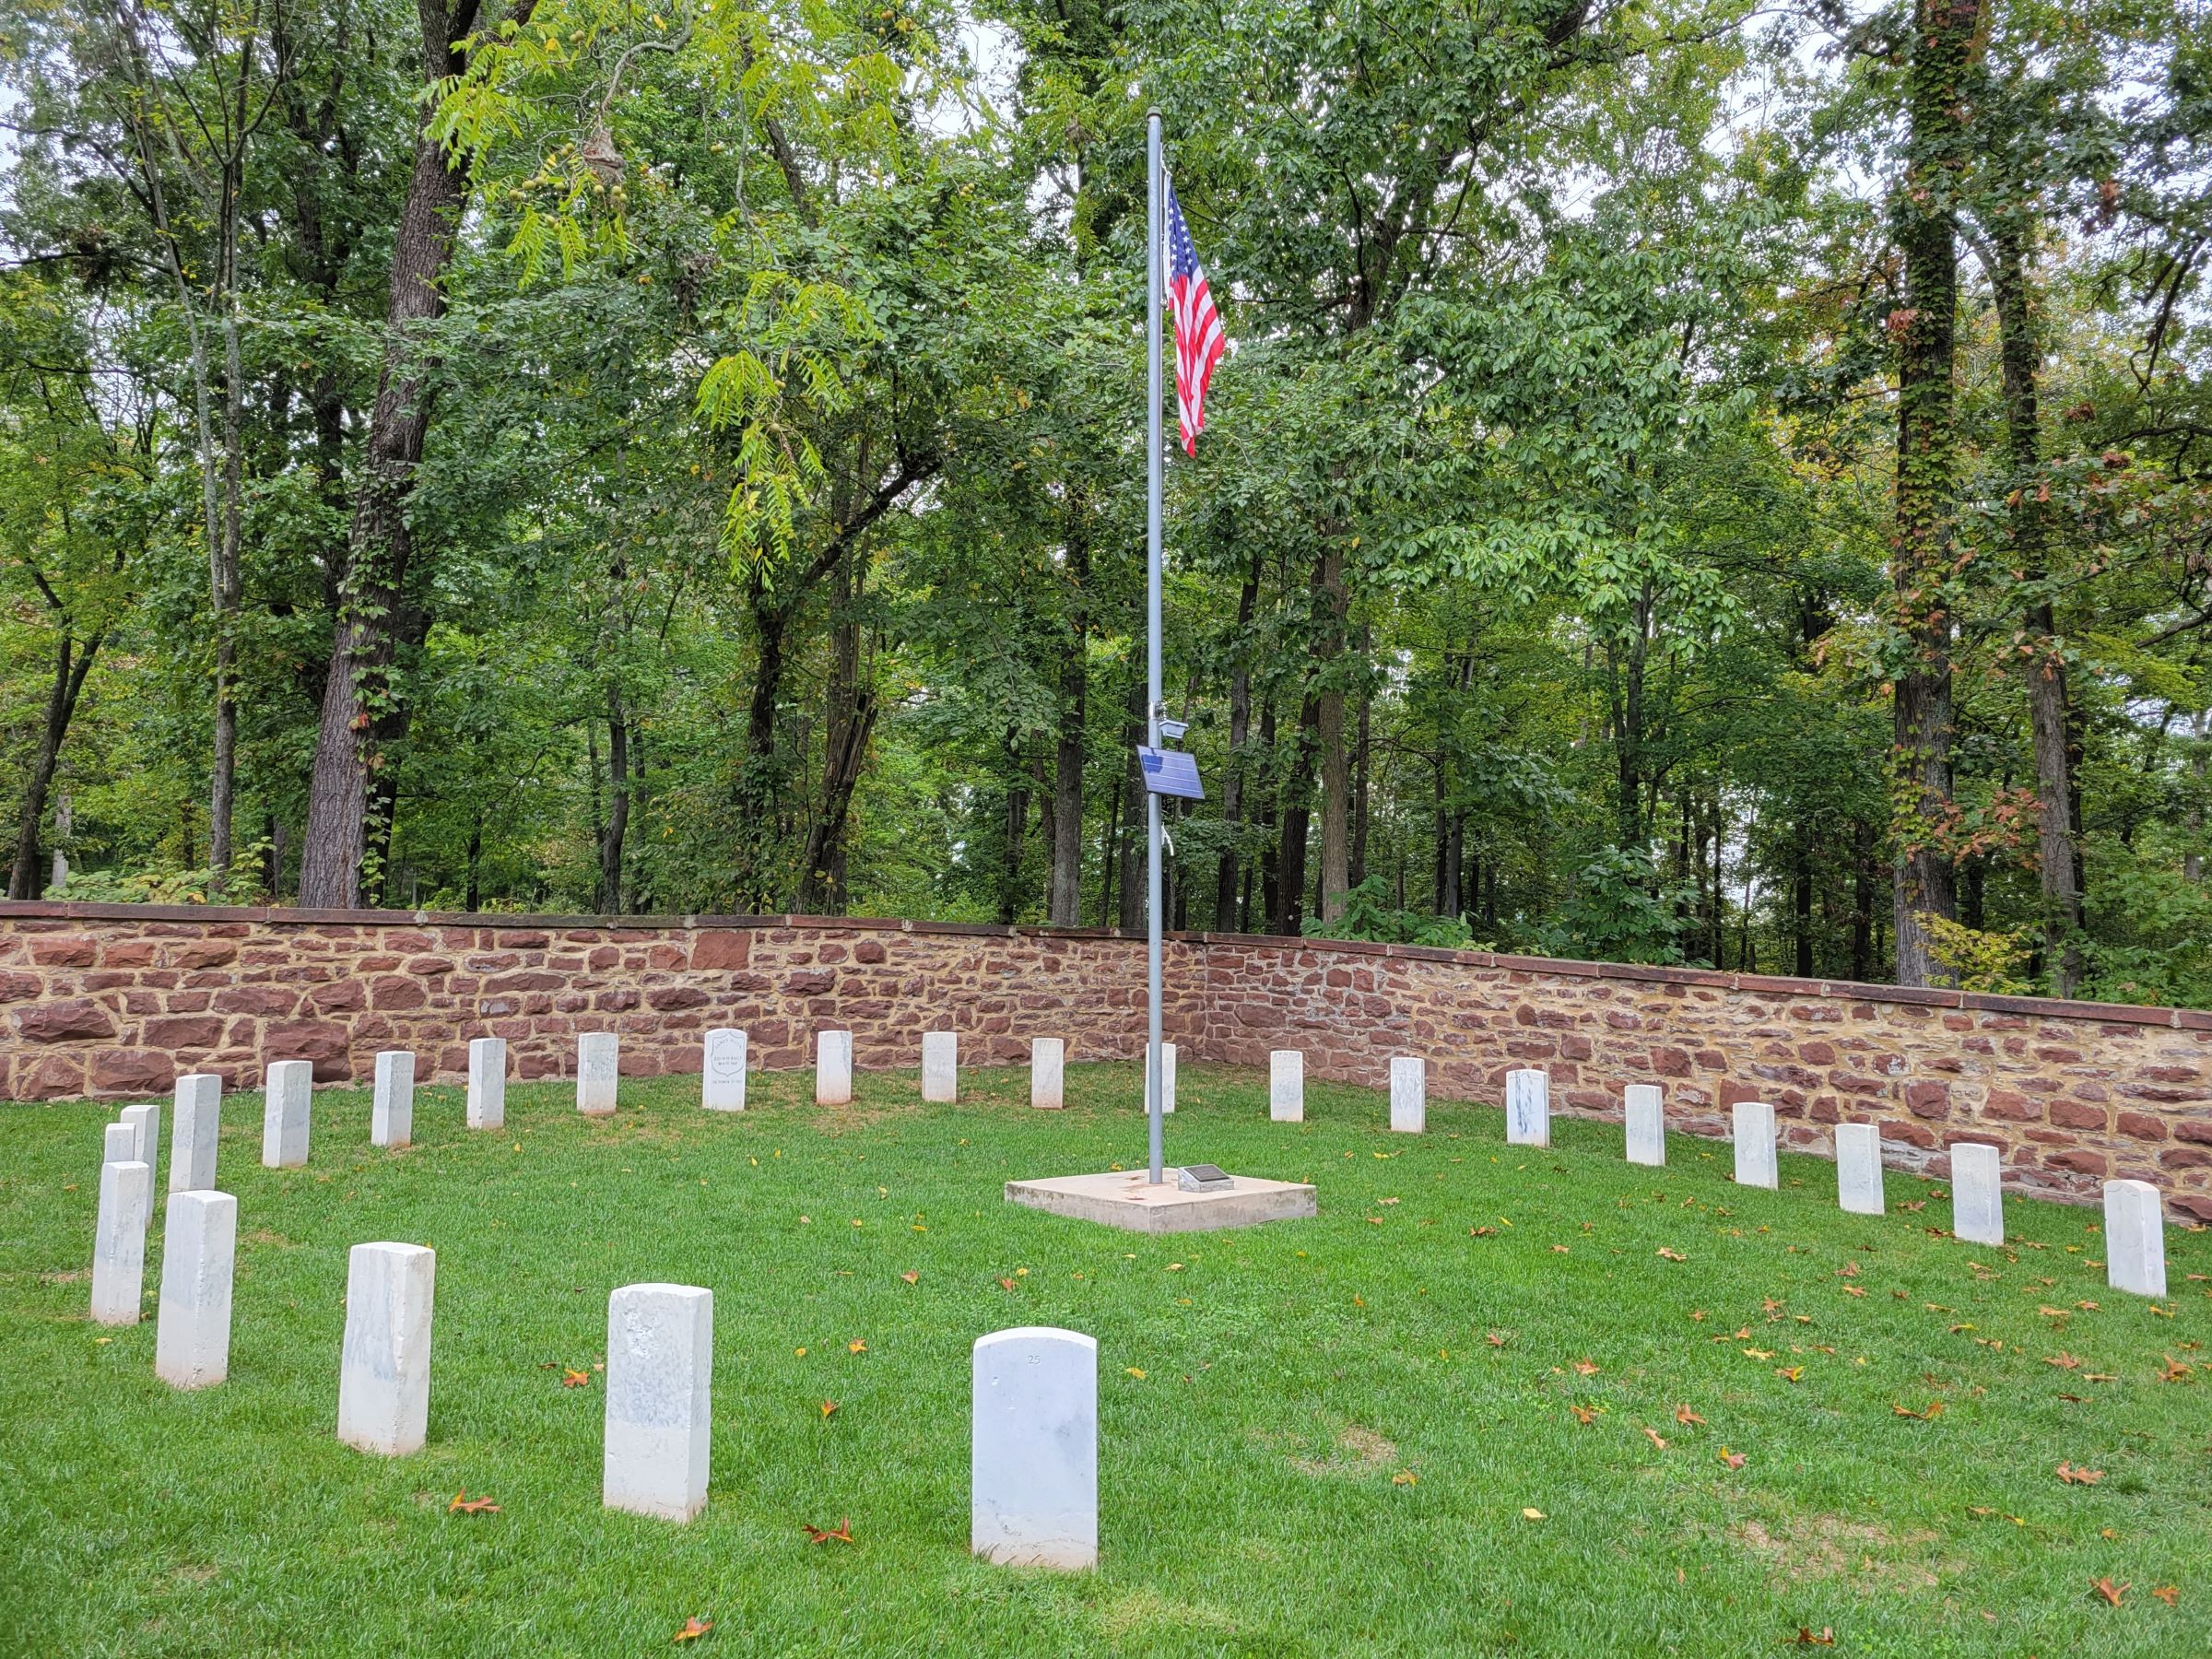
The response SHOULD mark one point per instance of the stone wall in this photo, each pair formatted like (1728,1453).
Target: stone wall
(115,1000)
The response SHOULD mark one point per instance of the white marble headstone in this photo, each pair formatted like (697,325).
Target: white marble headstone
(1048,1057)
(1527,1108)
(287,1088)
(119,1144)
(834,1068)
(1646,1124)
(195,1119)
(1408,1094)
(1033,1464)
(199,1253)
(384,1368)
(721,1073)
(487,1082)
(1755,1161)
(1859,1168)
(1286,1085)
(126,1199)
(392,1107)
(1977,1193)
(598,1072)
(941,1067)
(145,1120)
(2134,1238)
(660,1361)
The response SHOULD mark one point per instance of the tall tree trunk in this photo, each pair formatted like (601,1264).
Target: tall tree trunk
(380,547)
(1363,754)
(1297,817)
(1926,467)
(1801,904)
(1270,811)
(1233,774)
(70,666)
(617,805)
(758,785)
(1134,825)
(1336,764)
(1064,901)
(2043,663)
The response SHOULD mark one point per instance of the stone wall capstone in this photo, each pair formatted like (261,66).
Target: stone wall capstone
(114,1001)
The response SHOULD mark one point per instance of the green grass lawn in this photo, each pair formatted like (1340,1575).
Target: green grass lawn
(1317,1437)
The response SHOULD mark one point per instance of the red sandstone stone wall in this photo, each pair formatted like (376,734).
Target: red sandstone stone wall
(116,1000)
(2074,1092)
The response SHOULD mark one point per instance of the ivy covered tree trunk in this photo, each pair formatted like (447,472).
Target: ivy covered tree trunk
(1922,805)
(2043,662)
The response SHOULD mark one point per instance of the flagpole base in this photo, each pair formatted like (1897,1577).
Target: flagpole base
(1128,1200)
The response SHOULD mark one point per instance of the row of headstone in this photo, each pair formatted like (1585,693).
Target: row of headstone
(2134,1215)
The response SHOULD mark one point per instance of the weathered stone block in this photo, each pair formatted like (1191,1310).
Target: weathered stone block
(660,1363)
(126,1200)
(940,1067)
(196,1117)
(199,1253)
(1753,1123)
(385,1367)
(1645,1111)
(834,1068)
(1048,1057)
(1286,1085)
(2134,1238)
(1408,1094)
(1034,1462)
(1527,1108)
(598,1072)
(722,1072)
(288,1088)
(392,1105)
(487,1082)
(1859,1168)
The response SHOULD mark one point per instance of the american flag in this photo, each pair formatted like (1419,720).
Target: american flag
(1198,336)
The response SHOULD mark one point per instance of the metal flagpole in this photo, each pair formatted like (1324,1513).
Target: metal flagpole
(1154,283)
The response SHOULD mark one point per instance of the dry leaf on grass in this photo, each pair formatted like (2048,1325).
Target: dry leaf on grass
(2074,1476)
(912,1279)
(843,1533)
(2110,1591)
(828,1408)
(575,1379)
(465,1505)
(693,1630)
(1585,1368)
(1532,1514)
(1653,1435)
(857,1346)
(1685,1416)
(1735,1460)
(1824,1637)
(1933,1411)
(2168,1594)
(1585,1415)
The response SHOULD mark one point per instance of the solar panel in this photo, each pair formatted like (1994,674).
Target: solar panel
(1170,772)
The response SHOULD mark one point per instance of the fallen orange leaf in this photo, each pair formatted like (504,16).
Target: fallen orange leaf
(1735,1460)
(463,1504)
(1585,1368)
(1006,1284)
(828,1408)
(2073,1475)
(575,1379)
(2064,1361)
(1404,1478)
(1671,1255)
(857,1346)
(1684,1415)
(1790,1374)
(1585,1415)
(841,1534)
(1806,1638)
(693,1630)
(912,1279)
(2169,1593)
(2110,1591)
(1654,1435)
